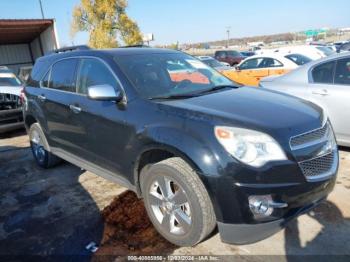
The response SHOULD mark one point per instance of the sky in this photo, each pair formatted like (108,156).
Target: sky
(193,21)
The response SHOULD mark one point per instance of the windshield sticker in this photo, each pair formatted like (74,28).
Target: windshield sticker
(197,64)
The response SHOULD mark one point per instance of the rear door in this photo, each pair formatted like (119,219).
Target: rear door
(56,94)
(331,90)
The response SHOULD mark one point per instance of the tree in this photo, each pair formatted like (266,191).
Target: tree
(107,22)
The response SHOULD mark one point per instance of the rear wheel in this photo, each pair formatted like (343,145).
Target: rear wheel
(39,146)
(177,202)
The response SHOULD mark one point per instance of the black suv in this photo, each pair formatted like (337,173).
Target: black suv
(199,150)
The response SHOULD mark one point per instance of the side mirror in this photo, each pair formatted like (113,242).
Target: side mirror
(104,93)
(237,68)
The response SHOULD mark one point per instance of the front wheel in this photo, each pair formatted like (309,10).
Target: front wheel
(177,202)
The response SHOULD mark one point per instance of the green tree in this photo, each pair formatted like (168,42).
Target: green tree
(107,22)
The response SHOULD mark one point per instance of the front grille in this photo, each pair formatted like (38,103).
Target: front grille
(319,167)
(309,137)
(8,98)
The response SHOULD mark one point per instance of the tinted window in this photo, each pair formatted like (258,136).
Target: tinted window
(93,72)
(298,59)
(342,72)
(45,81)
(63,75)
(221,54)
(324,73)
(153,76)
(233,53)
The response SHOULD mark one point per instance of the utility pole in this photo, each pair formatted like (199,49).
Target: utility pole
(228,36)
(41,8)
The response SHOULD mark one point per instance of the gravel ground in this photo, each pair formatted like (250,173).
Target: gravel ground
(61,210)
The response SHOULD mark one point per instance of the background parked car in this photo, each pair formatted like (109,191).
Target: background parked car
(313,52)
(11,117)
(344,47)
(229,56)
(212,62)
(248,53)
(253,69)
(325,82)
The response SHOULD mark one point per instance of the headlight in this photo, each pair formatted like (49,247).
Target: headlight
(248,146)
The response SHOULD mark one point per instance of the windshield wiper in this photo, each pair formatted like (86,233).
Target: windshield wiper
(218,87)
(171,97)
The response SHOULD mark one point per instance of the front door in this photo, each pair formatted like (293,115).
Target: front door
(102,121)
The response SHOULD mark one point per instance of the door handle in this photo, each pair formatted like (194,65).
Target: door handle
(42,98)
(322,92)
(75,109)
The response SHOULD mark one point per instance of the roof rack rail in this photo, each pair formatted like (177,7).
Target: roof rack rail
(130,46)
(70,48)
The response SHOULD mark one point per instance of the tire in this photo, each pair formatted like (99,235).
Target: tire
(39,146)
(184,206)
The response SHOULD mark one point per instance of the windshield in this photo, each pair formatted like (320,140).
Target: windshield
(233,53)
(9,81)
(164,75)
(299,59)
(212,62)
(325,50)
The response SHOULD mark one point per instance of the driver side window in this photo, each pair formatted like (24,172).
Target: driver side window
(93,72)
(251,64)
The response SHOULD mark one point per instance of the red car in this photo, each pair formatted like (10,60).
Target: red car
(229,56)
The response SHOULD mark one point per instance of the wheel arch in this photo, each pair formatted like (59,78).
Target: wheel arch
(155,153)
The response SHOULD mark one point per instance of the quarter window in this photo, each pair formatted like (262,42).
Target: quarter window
(93,72)
(63,75)
(324,73)
(342,72)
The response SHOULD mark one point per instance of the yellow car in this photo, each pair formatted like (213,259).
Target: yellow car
(251,70)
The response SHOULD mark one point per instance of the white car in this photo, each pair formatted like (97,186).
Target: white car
(11,117)
(325,82)
(313,52)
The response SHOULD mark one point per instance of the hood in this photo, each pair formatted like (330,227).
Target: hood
(12,90)
(252,108)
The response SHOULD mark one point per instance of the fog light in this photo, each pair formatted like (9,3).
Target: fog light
(260,205)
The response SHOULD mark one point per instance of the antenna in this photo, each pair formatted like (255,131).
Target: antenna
(228,28)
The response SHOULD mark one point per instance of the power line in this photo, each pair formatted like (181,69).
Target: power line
(41,8)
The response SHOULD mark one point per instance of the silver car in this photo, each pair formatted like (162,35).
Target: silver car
(325,82)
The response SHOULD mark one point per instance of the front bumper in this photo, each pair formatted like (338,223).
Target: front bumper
(283,183)
(240,234)
(10,120)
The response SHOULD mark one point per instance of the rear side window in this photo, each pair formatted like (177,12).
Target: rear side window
(93,72)
(342,72)
(324,73)
(63,75)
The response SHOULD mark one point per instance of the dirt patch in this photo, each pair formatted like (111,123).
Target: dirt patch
(128,230)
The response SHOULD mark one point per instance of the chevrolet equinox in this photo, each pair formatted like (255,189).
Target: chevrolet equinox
(197,148)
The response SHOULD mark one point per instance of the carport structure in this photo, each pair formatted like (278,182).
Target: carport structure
(22,41)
